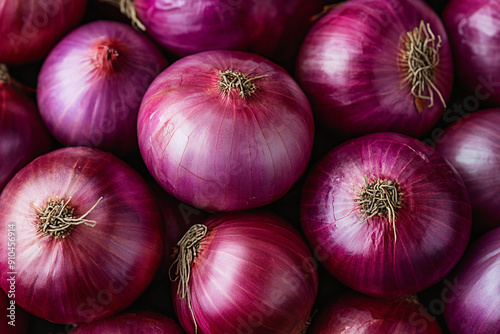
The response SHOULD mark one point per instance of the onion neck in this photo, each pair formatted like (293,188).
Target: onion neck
(57,218)
(4,74)
(187,251)
(420,57)
(127,8)
(241,82)
(381,198)
(107,58)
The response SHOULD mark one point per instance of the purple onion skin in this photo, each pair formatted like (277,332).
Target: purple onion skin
(23,135)
(349,66)
(143,322)
(471,146)
(353,313)
(433,224)
(29,29)
(474,30)
(271,28)
(473,306)
(224,152)
(88,97)
(254,274)
(94,272)
(15,320)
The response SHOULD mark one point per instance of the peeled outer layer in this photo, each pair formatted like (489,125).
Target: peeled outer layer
(354,313)
(225,152)
(23,135)
(433,224)
(271,28)
(95,271)
(350,68)
(471,146)
(474,30)
(92,83)
(253,274)
(143,322)
(473,304)
(30,28)
(15,320)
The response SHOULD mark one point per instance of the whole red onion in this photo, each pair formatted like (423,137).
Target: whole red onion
(386,214)
(473,308)
(29,29)
(353,313)
(87,235)
(143,322)
(92,83)
(377,65)
(23,135)
(244,273)
(225,130)
(471,146)
(474,30)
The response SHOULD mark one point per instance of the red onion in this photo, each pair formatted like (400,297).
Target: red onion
(353,313)
(474,30)
(100,256)
(225,130)
(244,273)
(471,146)
(29,29)
(15,320)
(23,136)
(386,214)
(473,307)
(143,322)
(91,85)
(363,67)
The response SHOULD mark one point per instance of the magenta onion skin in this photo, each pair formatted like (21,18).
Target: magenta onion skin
(23,135)
(271,28)
(474,30)
(473,306)
(31,28)
(225,152)
(433,224)
(15,320)
(254,273)
(94,272)
(142,322)
(91,85)
(354,313)
(471,146)
(350,68)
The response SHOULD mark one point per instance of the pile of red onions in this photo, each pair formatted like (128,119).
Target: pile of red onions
(91,85)
(244,273)
(143,322)
(29,29)
(386,214)
(471,146)
(474,30)
(87,235)
(225,130)
(377,65)
(473,306)
(353,313)
(23,136)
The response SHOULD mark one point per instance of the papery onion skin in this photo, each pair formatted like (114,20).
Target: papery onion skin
(91,85)
(15,320)
(353,313)
(23,135)
(471,146)
(225,152)
(253,273)
(271,28)
(433,224)
(29,29)
(93,272)
(474,30)
(142,322)
(350,68)
(472,307)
